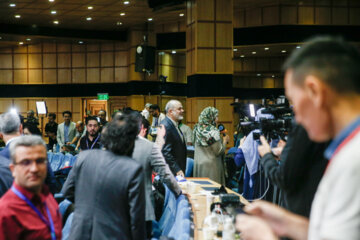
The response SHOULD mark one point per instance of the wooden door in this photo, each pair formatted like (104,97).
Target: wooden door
(94,106)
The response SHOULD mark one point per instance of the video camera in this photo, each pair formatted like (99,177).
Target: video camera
(278,126)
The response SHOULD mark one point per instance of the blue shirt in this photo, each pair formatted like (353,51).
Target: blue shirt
(66,133)
(329,152)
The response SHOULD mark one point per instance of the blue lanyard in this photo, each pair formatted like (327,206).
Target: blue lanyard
(49,223)
(87,143)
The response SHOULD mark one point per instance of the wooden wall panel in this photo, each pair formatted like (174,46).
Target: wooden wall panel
(354,16)
(340,16)
(306,15)
(225,109)
(222,11)
(107,74)
(34,48)
(49,76)
(21,105)
(78,75)
(78,60)
(268,83)
(64,76)
(224,35)
(93,59)
(78,48)
(20,61)
(93,75)
(20,76)
(107,47)
(222,61)
(64,60)
(121,58)
(20,49)
(207,10)
(288,15)
(5,61)
(6,76)
(323,15)
(35,76)
(63,47)
(49,47)
(65,105)
(35,61)
(5,105)
(52,105)
(271,15)
(253,17)
(206,58)
(249,64)
(49,60)
(205,34)
(121,74)
(107,59)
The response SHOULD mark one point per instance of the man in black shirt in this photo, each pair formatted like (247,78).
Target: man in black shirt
(92,138)
(51,130)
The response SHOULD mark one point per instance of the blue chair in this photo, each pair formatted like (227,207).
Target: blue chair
(189,167)
(63,206)
(67,227)
(169,212)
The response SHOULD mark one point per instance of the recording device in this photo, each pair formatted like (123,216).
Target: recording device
(222,129)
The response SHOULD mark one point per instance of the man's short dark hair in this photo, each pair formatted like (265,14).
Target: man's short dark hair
(155,107)
(331,59)
(33,129)
(89,118)
(120,134)
(53,115)
(146,125)
(67,112)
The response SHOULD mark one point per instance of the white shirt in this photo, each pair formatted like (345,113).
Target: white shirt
(335,212)
(160,118)
(145,113)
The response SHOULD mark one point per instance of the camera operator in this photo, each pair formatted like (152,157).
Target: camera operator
(299,171)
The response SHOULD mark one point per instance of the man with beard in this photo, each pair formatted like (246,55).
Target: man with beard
(174,149)
(92,138)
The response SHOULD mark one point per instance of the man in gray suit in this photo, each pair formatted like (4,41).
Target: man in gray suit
(149,155)
(66,131)
(108,187)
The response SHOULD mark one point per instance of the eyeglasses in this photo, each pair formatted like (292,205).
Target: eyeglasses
(27,162)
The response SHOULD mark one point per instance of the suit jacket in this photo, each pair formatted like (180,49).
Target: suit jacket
(109,197)
(174,149)
(149,156)
(6,178)
(60,133)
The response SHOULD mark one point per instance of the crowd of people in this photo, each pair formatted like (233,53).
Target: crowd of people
(110,183)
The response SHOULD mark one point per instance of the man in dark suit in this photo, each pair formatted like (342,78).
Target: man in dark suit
(174,149)
(108,187)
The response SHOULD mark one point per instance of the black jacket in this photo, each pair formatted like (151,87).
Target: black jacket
(174,149)
(299,172)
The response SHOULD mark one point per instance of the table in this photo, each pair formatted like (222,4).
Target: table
(198,201)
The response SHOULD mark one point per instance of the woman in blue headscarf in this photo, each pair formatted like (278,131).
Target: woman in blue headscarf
(209,147)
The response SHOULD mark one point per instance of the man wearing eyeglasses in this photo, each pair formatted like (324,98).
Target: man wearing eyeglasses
(28,210)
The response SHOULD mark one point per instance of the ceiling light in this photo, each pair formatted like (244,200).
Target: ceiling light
(298,47)
(259,74)
(21,43)
(242,56)
(235,49)
(253,52)
(283,51)
(181,14)
(161,53)
(13,111)
(90,7)
(88,18)
(51,0)
(12,5)
(273,76)
(119,23)
(28,39)
(173,51)
(126,2)
(266,48)
(56,22)
(81,42)
(0,38)
(122,14)
(17,16)
(53,12)
(150,19)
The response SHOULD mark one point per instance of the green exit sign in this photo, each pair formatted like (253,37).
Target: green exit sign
(103,96)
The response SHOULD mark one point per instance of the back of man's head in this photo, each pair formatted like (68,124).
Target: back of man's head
(120,134)
(155,107)
(330,59)
(9,123)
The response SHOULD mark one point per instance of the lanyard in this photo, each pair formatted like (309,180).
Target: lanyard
(87,143)
(49,223)
(346,140)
